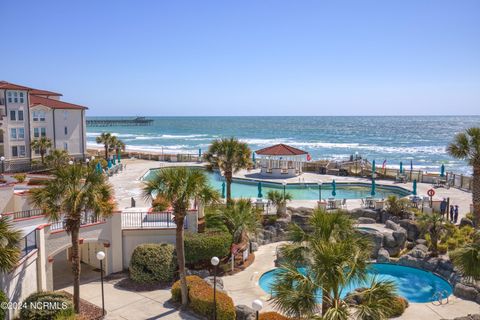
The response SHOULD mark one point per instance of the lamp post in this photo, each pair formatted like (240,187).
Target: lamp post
(70,162)
(257,305)
(215,261)
(320,191)
(100,257)
(284,189)
(2,160)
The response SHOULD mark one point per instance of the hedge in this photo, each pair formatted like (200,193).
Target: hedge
(3,299)
(152,263)
(398,307)
(272,316)
(201,247)
(63,303)
(200,297)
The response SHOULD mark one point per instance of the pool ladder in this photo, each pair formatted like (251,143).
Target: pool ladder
(439,297)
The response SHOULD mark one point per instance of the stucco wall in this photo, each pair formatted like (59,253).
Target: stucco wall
(132,238)
(6,198)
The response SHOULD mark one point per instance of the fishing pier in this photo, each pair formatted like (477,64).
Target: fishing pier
(138,121)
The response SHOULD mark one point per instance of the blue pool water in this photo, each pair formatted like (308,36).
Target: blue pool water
(414,284)
(249,189)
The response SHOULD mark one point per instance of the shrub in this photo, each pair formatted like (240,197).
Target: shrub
(65,306)
(442,248)
(200,296)
(20,177)
(398,307)
(272,316)
(37,182)
(152,263)
(176,289)
(201,247)
(3,299)
(451,244)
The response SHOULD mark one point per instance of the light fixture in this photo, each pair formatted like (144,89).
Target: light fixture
(70,162)
(215,261)
(100,255)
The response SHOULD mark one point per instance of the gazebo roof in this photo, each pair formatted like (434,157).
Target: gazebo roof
(280,150)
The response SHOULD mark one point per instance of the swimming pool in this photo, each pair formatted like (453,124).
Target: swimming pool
(414,284)
(246,188)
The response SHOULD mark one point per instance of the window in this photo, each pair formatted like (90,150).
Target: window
(13,115)
(36,132)
(65,146)
(21,97)
(22,151)
(10,97)
(43,132)
(13,133)
(20,115)
(38,115)
(15,96)
(66,130)
(21,133)
(14,151)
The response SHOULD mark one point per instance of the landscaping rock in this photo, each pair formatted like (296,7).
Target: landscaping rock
(254,246)
(219,281)
(421,241)
(409,245)
(466,292)
(201,273)
(383,256)
(466,222)
(412,229)
(365,220)
(377,241)
(301,220)
(244,312)
(400,236)
(419,251)
(389,224)
(367,213)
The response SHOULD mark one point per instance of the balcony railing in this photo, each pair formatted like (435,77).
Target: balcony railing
(27,213)
(28,244)
(149,220)
(86,220)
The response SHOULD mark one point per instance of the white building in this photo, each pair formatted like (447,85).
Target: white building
(27,114)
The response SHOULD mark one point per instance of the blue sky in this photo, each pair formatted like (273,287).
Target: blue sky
(260,57)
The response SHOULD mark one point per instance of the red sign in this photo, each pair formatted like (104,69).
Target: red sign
(431,192)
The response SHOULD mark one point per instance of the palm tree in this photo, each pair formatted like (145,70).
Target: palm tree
(180,186)
(57,158)
(9,239)
(279,199)
(117,145)
(41,145)
(466,146)
(74,191)
(467,259)
(229,155)
(433,224)
(106,139)
(335,256)
(240,218)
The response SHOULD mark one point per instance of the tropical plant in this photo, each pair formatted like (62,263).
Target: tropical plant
(9,239)
(20,177)
(279,199)
(240,218)
(41,145)
(466,146)
(46,297)
(396,206)
(57,158)
(229,155)
(335,256)
(74,191)
(180,186)
(106,139)
(117,145)
(467,258)
(433,225)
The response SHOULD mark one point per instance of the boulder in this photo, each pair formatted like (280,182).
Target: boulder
(365,220)
(383,256)
(409,245)
(244,312)
(376,239)
(219,282)
(301,220)
(465,292)
(466,222)
(412,229)
(400,236)
(282,223)
(418,251)
(389,224)
(421,241)
(367,213)
(200,273)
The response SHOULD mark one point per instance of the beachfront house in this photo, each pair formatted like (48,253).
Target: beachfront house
(27,114)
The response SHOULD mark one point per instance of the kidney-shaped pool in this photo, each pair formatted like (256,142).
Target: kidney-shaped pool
(414,284)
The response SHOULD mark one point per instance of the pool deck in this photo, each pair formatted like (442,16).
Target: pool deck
(243,287)
(127,184)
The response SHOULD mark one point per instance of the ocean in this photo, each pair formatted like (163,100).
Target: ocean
(420,139)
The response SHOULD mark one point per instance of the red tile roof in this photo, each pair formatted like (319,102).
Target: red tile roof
(12,86)
(45,92)
(280,150)
(54,104)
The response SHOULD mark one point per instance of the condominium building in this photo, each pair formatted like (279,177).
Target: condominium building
(27,114)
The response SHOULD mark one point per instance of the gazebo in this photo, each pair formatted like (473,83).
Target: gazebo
(281,161)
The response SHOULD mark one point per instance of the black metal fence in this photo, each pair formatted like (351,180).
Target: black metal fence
(28,243)
(27,213)
(149,220)
(85,220)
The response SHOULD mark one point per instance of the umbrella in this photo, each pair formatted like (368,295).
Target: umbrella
(442,170)
(260,195)
(223,190)
(99,167)
(373,187)
(113,160)
(253,157)
(118,156)
(373,167)
(109,163)
(334,188)
(199,153)
(414,191)
(401,167)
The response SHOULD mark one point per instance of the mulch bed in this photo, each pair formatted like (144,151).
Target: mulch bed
(88,311)
(243,266)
